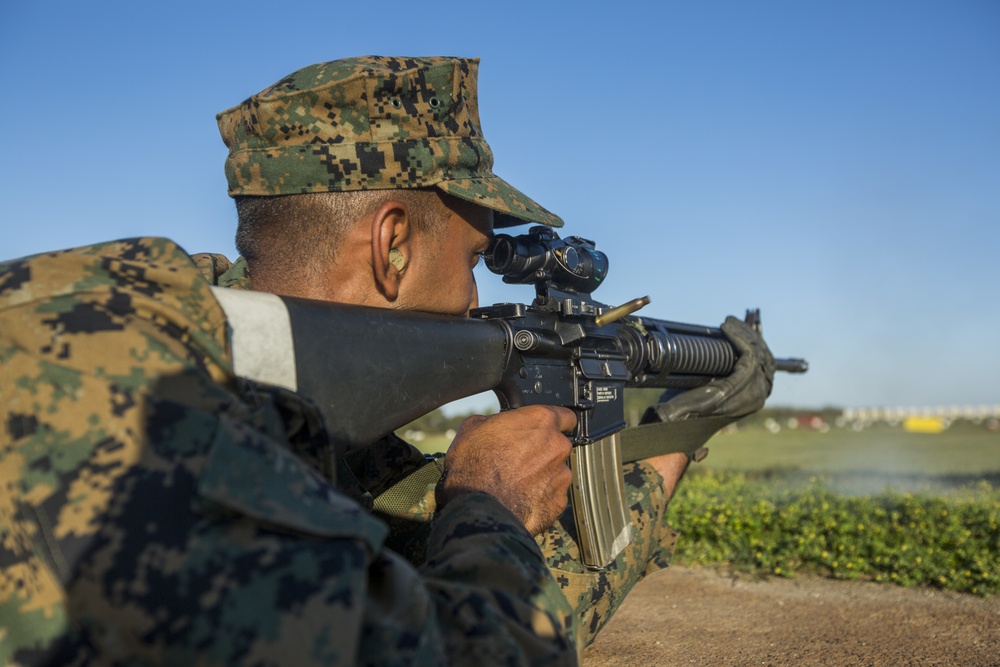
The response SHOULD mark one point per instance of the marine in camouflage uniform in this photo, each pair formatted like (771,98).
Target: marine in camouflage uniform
(378,123)
(155,510)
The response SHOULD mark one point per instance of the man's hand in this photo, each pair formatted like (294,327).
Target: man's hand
(519,456)
(741,393)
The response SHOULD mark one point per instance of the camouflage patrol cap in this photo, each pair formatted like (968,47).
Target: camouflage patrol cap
(371,123)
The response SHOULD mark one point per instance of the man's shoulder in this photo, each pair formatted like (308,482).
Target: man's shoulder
(146,263)
(218,270)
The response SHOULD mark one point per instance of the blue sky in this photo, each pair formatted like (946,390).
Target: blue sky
(835,163)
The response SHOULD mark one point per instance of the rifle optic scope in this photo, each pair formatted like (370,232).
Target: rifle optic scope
(571,264)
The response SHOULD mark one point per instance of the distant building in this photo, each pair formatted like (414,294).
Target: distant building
(920,419)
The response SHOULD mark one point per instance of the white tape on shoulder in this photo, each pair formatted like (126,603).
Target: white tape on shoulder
(260,333)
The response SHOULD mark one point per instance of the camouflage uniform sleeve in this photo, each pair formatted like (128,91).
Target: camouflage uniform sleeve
(218,270)
(594,596)
(212,265)
(494,601)
(150,515)
(484,594)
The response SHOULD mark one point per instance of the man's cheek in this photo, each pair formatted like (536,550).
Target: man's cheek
(474,301)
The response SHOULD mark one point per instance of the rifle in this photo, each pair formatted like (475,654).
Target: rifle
(371,370)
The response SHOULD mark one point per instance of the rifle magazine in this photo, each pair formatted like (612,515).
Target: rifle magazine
(603,525)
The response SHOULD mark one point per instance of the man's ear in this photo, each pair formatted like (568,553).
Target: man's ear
(390,238)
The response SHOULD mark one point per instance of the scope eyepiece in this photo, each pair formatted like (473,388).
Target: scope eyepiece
(507,255)
(572,264)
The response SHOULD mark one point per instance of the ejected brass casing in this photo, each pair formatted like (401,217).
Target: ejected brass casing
(621,311)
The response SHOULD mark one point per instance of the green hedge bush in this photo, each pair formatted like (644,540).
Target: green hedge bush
(948,541)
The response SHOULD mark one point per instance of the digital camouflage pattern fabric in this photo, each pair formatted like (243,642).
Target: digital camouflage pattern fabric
(594,596)
(371,123)
(153,512)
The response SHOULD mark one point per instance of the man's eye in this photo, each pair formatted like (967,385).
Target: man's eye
(476,259)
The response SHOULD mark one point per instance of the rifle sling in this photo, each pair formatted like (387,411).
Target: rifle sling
(642,442)
(639,442)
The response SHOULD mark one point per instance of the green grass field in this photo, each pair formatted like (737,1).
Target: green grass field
(864,461)
(962,449)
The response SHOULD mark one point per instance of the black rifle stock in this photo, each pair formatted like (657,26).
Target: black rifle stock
(373,370)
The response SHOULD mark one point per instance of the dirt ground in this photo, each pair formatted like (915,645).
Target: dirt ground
(695,616)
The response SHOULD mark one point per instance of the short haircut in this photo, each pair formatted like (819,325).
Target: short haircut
(289,238)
